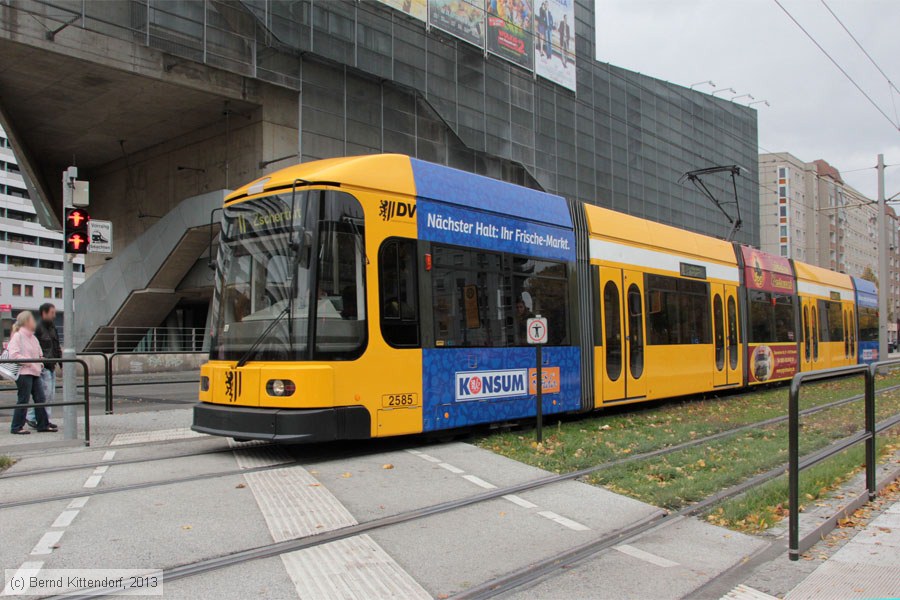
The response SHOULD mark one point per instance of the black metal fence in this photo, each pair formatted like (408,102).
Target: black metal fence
(86,394)
(867,435)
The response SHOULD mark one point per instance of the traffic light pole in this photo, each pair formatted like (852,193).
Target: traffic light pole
(70,416)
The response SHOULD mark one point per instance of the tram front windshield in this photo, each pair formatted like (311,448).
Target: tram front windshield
(290,268)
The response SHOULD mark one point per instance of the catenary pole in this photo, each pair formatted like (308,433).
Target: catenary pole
(884,285)
(70,425)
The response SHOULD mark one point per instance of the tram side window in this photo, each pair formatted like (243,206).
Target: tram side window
(831,324)
(677,311)
(771,317)
(399,293)
(484,299)
(868,324)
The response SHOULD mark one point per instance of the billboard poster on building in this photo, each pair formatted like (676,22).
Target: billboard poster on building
(509,30)
(554,41)
(414,8)
(462,18)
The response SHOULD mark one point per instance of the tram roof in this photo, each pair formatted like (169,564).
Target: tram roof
(634,231)
(814,274)
(401,174)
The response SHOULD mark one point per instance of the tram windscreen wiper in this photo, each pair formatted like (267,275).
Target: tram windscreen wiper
(301,248)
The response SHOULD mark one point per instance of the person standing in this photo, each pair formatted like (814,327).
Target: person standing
(24,344)
(48,337)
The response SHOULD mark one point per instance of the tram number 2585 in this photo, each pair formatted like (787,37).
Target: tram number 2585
(399,400)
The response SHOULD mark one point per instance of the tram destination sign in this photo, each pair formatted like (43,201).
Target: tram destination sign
(693,271)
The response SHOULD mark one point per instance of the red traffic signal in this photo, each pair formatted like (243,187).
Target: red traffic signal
(76,234)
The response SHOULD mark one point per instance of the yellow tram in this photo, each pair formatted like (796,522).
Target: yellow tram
(383,295)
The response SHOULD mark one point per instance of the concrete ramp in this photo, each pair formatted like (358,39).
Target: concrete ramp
(138,288)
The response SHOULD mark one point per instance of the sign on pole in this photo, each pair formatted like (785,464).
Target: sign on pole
(100,234)
(537,330)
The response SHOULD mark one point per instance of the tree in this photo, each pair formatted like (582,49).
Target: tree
(870,275)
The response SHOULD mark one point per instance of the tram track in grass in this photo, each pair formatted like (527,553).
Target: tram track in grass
(525,575)
(567,476)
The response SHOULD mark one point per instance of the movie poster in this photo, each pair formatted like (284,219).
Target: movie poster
(414,8)
(509,30)
(462,18)
(554,41)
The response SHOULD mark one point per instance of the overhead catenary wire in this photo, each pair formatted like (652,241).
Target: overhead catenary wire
(836,64)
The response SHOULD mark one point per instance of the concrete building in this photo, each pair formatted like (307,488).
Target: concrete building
(809,213)
(31,256)
(187,99)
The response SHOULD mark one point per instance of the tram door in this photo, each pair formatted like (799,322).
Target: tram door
(809,324)
(732,337)
(726,335)
(717,297)
(622,294)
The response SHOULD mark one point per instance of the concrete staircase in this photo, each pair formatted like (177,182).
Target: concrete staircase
(139,287)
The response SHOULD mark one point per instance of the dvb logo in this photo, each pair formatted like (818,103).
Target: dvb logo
(390,209)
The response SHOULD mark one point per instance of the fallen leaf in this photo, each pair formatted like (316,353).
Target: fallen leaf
(387,466)
(241,486)
(346,475)
(315,484)
(55,546)
(186,527)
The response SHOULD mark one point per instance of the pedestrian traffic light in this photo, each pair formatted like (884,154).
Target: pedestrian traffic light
(76,230)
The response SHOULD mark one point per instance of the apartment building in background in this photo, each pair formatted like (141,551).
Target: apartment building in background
(31,256)
(809,213)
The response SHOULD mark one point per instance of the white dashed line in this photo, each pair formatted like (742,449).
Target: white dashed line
(78,502)
(65,518)
(25,572)
(101,470)
(645,556)
(573,525)
(517,500)
(93,481)
(520,501)
(47,541)
(109,455)
(480,482)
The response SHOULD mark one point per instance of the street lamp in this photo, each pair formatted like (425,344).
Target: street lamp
(734,98)
(732,90)
(766,102)
(707,82)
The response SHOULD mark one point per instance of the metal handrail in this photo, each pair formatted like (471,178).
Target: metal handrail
(796,463)
(111,372)
(86,402)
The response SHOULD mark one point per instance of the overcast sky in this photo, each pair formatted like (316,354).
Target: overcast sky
(754,47)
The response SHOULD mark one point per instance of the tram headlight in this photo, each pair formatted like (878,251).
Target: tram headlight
(280,387)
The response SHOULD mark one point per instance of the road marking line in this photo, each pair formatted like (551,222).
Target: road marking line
(429,458)
(645,556)
(264,456)
(101,470)
(355,567)
(108,455)
(27,570)
(78,502)
(411,451)
(65,518)
(294,503)
(159,435)
(573,525)
(480,482)
(93,481)
(47,541)
(520,501)
(451,468)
